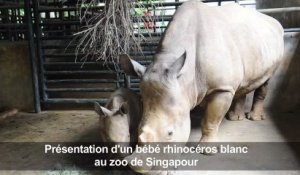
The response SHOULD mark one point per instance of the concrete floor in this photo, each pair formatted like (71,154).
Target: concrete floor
(82,126)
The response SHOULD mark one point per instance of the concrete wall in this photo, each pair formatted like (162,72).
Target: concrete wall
(15,76)
(288,20)
(284,91)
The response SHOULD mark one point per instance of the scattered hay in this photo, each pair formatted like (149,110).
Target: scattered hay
(110,31)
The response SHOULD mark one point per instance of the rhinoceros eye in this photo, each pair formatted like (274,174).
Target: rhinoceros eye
(166,71)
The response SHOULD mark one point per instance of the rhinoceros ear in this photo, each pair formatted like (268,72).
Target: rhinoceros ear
(102,111)
(124,109)
(177,65)
(131,67)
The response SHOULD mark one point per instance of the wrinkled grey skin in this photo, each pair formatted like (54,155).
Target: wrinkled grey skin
(120,117)
(212,54)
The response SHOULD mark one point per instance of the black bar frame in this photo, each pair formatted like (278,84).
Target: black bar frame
(34,61)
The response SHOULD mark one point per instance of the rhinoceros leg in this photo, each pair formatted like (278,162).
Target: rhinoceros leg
(217,106)
(257,110)
(236,111)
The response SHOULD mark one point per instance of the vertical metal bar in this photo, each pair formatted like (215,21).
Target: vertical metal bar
(219,2)
(118,79)
(15,22)
(61,16)
(35,84)
(37,19)
(9,28)
(127,81)
(154,21)
(18,22)
(176,6)
(68,14)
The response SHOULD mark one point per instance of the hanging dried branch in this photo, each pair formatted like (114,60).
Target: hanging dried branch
(108,32)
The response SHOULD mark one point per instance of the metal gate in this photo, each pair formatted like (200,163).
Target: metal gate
(62,80)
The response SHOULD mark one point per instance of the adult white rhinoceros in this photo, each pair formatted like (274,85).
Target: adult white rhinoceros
(216,54)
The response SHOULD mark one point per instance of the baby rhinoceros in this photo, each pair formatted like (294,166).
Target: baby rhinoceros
(120,117)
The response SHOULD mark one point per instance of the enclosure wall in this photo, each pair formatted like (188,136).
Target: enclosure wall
(15,76)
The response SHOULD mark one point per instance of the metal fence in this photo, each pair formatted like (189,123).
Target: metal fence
(12,21)
(49,25)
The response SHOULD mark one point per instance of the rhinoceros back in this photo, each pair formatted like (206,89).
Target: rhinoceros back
(228,47)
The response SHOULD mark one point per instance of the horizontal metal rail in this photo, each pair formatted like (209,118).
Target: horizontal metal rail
(65,37)
(4,7)
(13,25)
(145,62)
(135,80)
(156,34)
(166,4)
(279,10)
(64,55)
(80,89)
(59,31)
(92,65)
(156,19)
(135,89)
(162,4)
(72,46)
(134,85)
(75,101)
(79,72)
(50,22)
(56,22)
(83,81)
(156,27)
(56,9)
(69,37)
(292,30)
(14,29)
(75,63)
